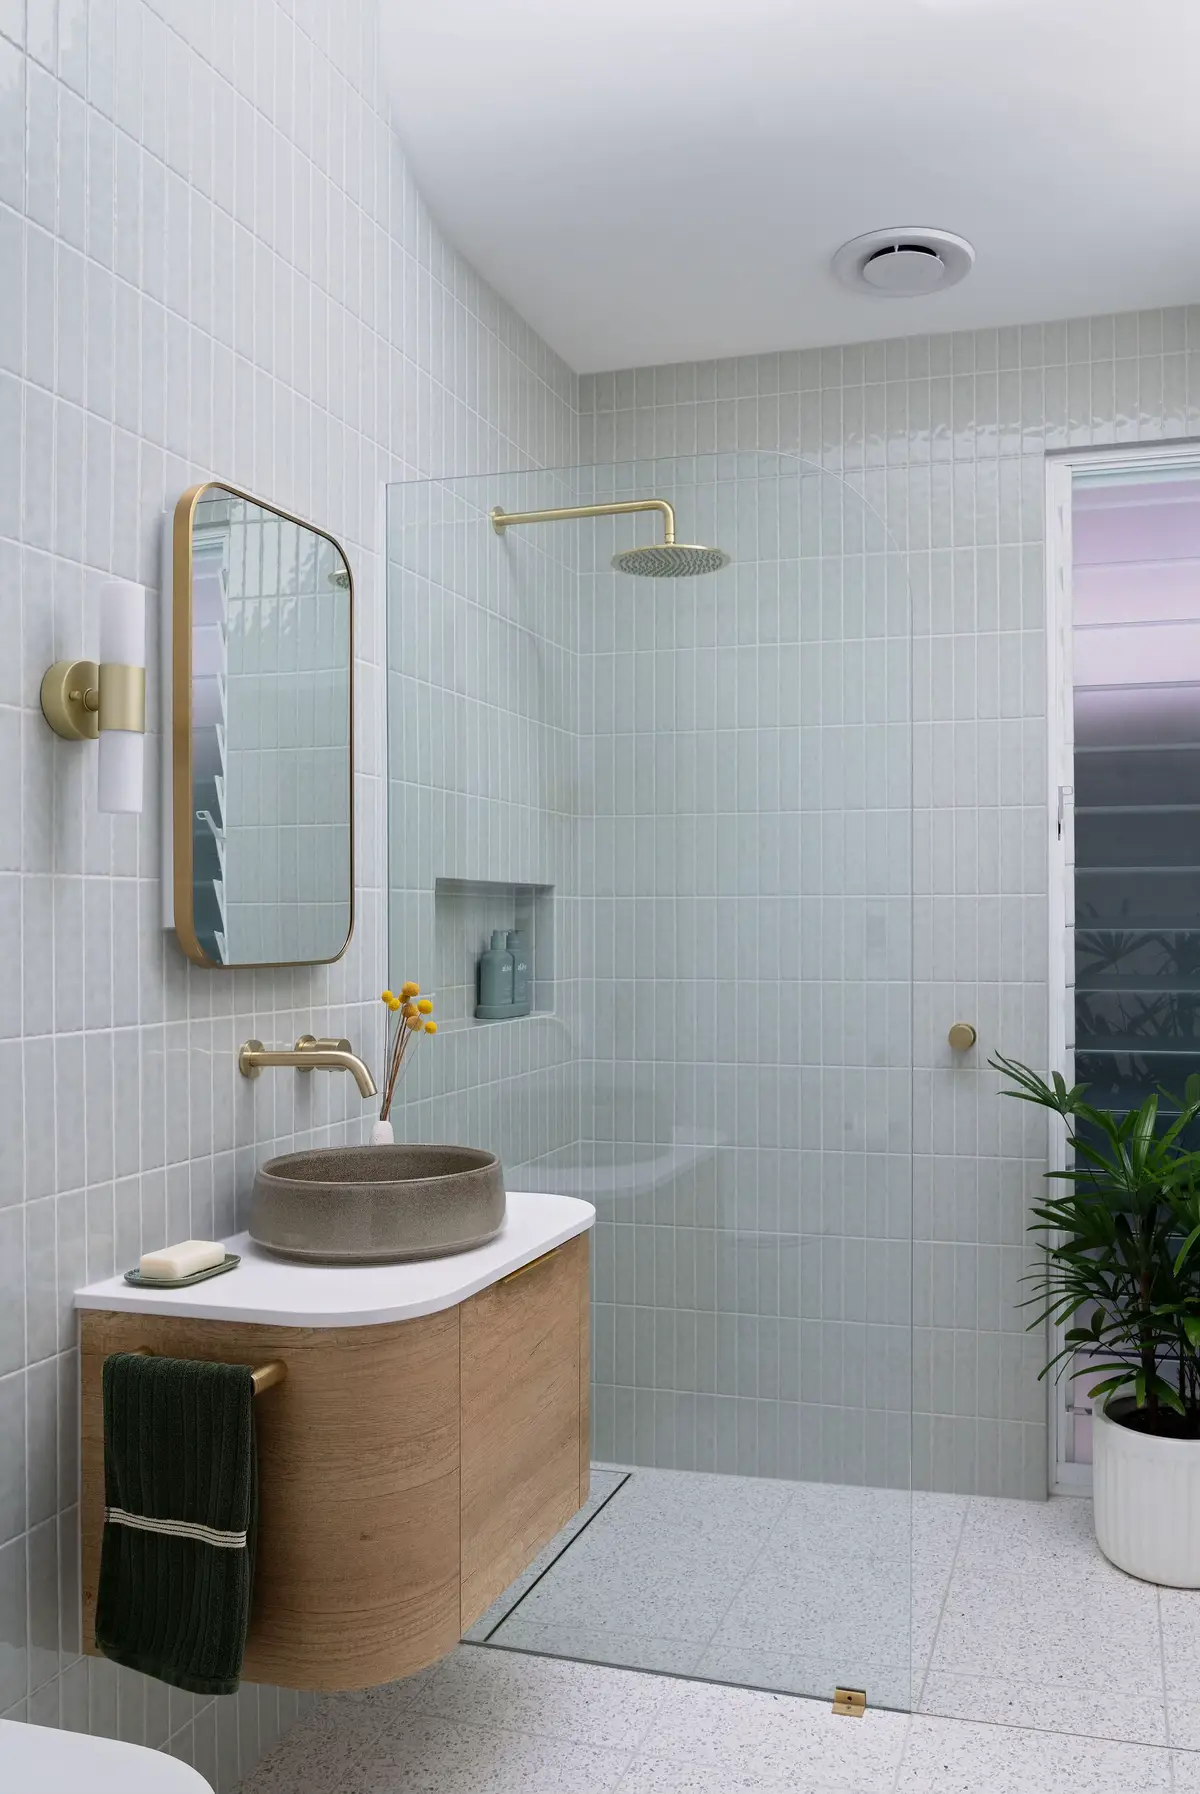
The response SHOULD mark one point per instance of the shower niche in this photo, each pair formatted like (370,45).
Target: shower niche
(466,913)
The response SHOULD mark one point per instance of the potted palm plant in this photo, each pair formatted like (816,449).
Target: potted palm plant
(1120,1273)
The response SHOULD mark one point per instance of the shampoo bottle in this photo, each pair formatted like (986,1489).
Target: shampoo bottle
(495,979)
(521,997)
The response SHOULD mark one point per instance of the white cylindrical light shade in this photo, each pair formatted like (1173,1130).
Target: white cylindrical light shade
(122,752)
(123,623)
(121,772)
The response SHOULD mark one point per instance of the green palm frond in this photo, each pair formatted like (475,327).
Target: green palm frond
(1118,1231)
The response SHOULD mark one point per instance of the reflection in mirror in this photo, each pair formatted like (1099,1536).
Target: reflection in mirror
(270,807)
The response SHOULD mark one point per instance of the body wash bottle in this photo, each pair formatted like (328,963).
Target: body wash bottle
(522,1000)
(495,980)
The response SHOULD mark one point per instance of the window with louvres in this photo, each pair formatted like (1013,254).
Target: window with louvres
(1136,674)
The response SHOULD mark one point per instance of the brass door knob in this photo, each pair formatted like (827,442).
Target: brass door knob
(962,1037)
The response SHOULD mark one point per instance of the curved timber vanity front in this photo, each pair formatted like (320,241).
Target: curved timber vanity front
(431,1434)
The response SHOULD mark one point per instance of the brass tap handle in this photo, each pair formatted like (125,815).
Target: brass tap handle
(962,1037)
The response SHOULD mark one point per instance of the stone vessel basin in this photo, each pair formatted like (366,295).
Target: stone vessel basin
(371,1204)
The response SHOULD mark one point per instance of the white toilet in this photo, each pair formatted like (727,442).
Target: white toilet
(37,1759)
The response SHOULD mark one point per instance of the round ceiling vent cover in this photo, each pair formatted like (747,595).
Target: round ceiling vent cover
(904,263)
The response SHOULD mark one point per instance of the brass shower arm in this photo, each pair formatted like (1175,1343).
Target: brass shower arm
(502,519)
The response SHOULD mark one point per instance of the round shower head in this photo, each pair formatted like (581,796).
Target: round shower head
(669,560)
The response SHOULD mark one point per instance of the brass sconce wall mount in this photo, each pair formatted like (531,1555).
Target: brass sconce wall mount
(105,700)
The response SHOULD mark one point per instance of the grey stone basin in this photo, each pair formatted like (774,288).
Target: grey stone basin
(369,1204)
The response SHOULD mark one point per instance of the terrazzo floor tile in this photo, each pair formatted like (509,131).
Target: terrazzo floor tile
(1095,1713)
(807,1670)
(593,1644)
(698,1502)
(1047,1672)
(643,1579)
(649,1775)
(591,1705)
(1179,1613)
(426,1755)
(318,1754)
(774,1736)
(1089,1628)
(1185,1769)
(1039,1530)
(949,1756)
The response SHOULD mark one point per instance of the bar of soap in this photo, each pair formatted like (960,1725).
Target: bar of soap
(182,1260)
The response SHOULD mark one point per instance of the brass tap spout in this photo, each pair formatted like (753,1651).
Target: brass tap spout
(308,1054)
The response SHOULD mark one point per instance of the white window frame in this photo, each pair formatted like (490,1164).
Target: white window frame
(1066,1478)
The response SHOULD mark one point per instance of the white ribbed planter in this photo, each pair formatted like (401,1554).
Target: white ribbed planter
(1146,1497)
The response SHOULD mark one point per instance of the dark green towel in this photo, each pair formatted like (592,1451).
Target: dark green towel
(178,1447)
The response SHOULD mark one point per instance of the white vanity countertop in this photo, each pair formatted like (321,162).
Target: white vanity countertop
(278,1292)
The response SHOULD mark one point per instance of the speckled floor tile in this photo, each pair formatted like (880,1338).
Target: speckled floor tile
(318,1754)
(949,1756)
(643,1577)
(1093,1712)
(435,1756)
(696,1502)
(607,1707)
(774,1736)
(650,1775)
(1179,1611)
(796,1668)
(1185,1769)
(595,1645)
(1087,1628)
(1046,1677)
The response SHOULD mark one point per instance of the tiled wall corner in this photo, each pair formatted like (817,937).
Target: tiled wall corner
(215,263)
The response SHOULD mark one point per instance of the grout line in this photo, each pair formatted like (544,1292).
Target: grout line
(750,1568)
(1162,1669)
(916,1705)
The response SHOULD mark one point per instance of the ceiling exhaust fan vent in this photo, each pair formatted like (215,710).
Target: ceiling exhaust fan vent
(904,263)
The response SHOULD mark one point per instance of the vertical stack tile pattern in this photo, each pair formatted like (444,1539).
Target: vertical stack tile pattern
(945,437)
(215,264)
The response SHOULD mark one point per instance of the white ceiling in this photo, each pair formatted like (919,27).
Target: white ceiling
(666,180)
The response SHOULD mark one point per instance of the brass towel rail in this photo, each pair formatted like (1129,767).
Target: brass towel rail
(265,1377)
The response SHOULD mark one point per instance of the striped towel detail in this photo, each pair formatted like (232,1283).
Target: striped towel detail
(178,1529)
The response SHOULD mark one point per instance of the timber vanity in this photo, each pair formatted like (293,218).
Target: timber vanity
(430,1435)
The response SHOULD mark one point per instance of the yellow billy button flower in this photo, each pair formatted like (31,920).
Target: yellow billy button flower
(410,989)
(387,997)
(431,1027)
(413,1021)
(410,1009)
(425,1006)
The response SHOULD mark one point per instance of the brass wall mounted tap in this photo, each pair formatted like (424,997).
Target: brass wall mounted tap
(308,1054)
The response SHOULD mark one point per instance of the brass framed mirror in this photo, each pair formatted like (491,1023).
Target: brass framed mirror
(258,785)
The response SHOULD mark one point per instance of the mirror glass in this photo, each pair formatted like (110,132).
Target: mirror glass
(269,786)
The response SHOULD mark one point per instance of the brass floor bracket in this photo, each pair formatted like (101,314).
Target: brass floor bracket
(850,1701)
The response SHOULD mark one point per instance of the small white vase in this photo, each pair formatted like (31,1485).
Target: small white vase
(381,1134)
(1146,1503)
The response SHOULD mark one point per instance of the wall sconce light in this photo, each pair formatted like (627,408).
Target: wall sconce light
(83,701)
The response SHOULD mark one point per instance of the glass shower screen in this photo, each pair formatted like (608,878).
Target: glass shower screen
(696,792)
